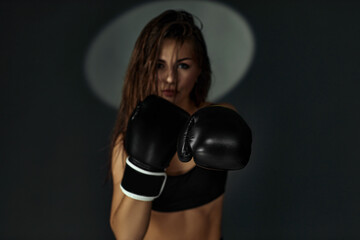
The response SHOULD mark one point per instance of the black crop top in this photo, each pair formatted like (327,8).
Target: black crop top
(192,189)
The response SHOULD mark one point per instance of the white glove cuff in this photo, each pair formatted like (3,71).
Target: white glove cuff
(141,184)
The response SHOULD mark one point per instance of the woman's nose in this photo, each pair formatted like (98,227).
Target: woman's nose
(170,78)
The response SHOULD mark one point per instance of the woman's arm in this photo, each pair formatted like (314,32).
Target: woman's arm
(151,137)
(129,218)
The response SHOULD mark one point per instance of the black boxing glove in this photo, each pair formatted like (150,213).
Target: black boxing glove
(217,137)
(150,142)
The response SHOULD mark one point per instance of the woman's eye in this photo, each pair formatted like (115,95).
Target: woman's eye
(183,66)
(159,66)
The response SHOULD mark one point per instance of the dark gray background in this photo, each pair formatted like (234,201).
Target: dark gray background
(300,97)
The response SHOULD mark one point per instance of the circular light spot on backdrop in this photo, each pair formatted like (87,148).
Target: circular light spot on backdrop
(229,40)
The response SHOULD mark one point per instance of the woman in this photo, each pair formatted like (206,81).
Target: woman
(169,60)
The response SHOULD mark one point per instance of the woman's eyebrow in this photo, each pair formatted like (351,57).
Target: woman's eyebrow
(182,59)
(179,60)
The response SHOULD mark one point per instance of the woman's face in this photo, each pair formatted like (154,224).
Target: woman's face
(177,72)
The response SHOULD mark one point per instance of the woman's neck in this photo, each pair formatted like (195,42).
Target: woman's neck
(188,106)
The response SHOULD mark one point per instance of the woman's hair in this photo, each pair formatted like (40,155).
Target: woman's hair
(140,79)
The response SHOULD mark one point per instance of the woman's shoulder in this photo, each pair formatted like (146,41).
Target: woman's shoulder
(118,158)
(222,104)
(118,144)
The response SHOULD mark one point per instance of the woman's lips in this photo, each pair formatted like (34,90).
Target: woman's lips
(169,93)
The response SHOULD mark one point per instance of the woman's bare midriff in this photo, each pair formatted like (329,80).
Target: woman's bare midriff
(203,222)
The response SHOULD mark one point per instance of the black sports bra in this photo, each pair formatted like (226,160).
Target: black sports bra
(192,189)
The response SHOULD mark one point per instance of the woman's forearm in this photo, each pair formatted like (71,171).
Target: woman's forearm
(131,219)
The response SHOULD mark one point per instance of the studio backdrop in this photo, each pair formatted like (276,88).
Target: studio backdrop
(290,68)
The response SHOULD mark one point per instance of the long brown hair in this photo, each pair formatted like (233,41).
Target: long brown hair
(140,79)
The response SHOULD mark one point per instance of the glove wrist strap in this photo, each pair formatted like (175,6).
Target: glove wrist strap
(141,184)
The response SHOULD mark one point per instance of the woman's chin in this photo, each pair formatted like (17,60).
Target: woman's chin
(169,98)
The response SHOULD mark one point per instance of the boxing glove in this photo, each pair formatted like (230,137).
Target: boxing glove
(217,138)
(150,142)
